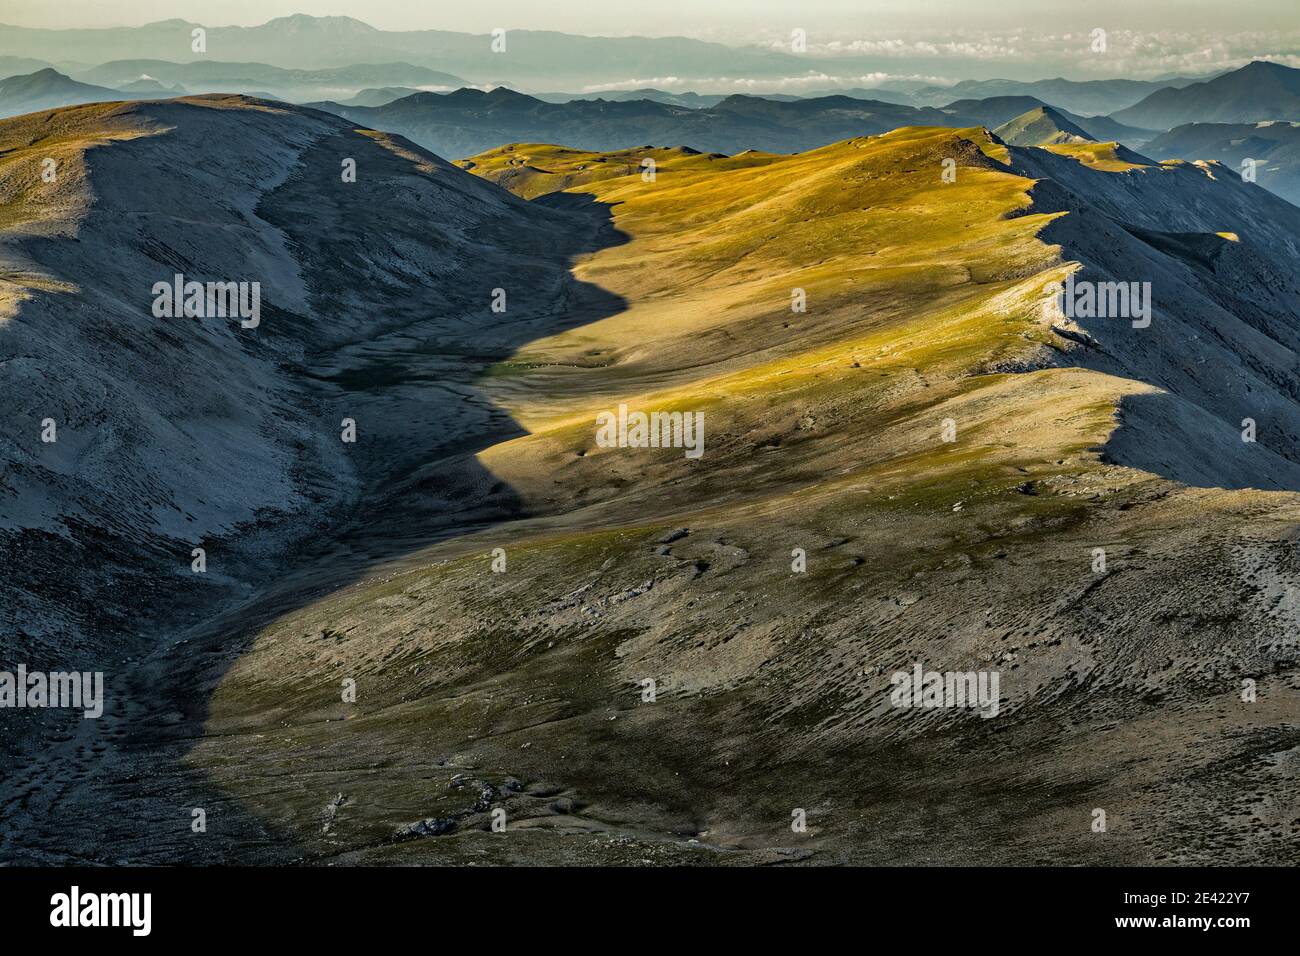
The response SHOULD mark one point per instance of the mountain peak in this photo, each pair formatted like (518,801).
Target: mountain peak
(1042,126)
(1263,66)
(300,22)
(506,94)
(1260,90)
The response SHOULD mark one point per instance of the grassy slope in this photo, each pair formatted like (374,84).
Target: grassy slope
(535,169)
(822,434)
(1040,127)
(1108,157)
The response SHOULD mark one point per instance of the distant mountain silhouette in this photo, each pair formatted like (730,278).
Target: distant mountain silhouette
(1258,91)
(470,121)
(537,58)
(46,89)
(1089,97)
(219,76)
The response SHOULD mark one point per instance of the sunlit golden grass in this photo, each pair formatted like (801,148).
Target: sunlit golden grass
(535,169)
(1103,156)
(917,290)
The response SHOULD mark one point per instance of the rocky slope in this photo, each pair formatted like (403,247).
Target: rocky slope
(178,433)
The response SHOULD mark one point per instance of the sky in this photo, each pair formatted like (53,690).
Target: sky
(935,41)
(739,21)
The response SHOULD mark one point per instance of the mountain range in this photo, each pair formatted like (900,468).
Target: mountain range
(214,76)
(461,122)
(469,121)
(1087,97)
(543,59)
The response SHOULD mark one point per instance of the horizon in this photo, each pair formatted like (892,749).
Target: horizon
(891,44)
(820,94)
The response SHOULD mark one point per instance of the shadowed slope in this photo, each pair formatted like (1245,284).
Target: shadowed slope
(182,432)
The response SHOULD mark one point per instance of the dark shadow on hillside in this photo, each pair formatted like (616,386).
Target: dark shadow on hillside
(412,380)
(402,355)
(1218,338)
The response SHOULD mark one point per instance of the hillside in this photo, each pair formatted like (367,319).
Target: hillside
(47,89)
(150,460)
(523,688)
(530,170)
(1258,91)
(1274,146)
(1001,110)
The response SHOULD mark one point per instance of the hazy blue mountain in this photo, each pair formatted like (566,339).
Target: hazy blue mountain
(879,94)
(532,58)
(216,76)
(470,121)
(149,86)
(20,65)
(379,96)
(1258,91)
(688,99)
(1086,97)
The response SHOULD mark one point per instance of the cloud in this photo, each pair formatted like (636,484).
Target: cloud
(1128,52)
(813,80)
